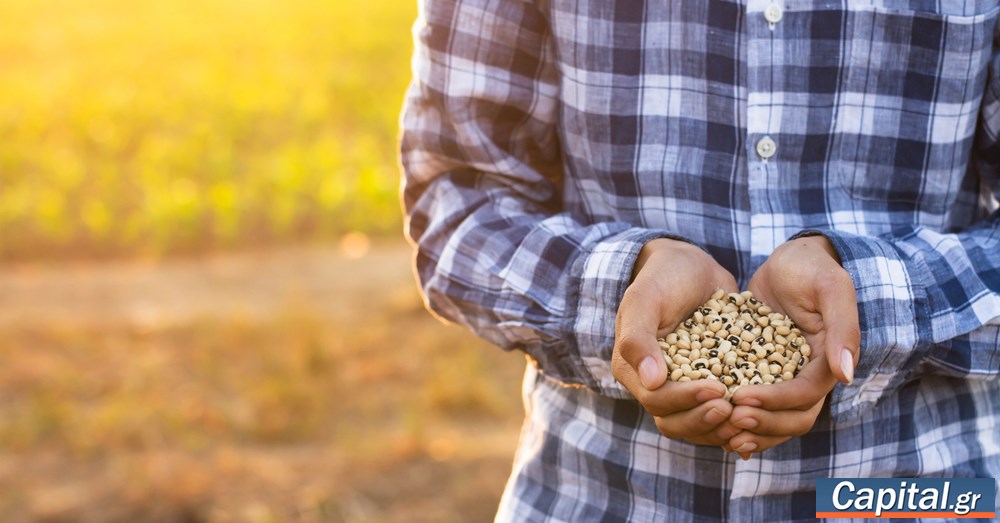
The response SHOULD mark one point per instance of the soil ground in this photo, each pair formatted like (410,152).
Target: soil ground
(301,384)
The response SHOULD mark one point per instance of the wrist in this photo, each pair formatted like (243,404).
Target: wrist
(655,246)
(817,240)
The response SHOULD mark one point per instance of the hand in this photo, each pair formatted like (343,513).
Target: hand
(804,280)
(670,280)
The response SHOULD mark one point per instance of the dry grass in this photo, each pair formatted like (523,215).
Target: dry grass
(296,414)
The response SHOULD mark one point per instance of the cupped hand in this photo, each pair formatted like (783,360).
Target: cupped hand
(670,280)
(804,280)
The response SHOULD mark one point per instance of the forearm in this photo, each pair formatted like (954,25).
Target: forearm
(524,278)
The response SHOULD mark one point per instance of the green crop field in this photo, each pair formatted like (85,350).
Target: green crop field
(157,127)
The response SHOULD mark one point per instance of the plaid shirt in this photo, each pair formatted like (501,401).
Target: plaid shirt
(545,141)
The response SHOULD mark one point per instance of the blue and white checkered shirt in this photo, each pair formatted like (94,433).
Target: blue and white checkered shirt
(545,141)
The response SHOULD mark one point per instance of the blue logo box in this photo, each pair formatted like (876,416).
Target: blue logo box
(906,498)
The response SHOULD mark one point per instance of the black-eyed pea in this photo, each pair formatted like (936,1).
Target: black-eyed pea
(756,380)
(747,336)
(784,330)
(695,345)
(718,294)
(708,343)
(780,340)
(676,375)
(736,299)
(684,353)
(768,378)
(699,317)
(717,369)
(684,378)
(787,376)
(763,321)
(752,358)
(764,310)
(774,368)
(805,350)
(686,367)
(728,380)
(684,343)
(762,367)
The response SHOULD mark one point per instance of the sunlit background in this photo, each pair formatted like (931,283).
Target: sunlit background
(207,311)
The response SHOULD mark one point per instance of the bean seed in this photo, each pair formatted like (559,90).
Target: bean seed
(676,375)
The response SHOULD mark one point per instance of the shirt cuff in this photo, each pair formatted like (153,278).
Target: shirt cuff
(890,304)
(603,275)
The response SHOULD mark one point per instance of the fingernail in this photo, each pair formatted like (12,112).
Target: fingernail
(746,447)
(847,364)
(747,423)
(707,394)
(648,372)
(747,456)
(750,402)
(714,416)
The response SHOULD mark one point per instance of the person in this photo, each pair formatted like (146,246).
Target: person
(579,176)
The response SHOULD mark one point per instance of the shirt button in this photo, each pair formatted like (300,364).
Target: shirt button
(772,13)
(766,147)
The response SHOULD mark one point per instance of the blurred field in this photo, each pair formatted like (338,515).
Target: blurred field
(157,127)
(292,385)
(192,325)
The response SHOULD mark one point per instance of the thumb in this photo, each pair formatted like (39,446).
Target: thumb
(843,334)
(636,340)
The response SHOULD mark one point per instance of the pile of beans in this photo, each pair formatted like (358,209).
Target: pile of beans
(737,340)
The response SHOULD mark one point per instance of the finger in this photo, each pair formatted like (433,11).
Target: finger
(838,305)
(810,386)
(726,430)
(635,342)
(780,423)
(676,397)
(697,422)
(748,443)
